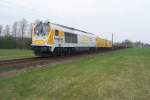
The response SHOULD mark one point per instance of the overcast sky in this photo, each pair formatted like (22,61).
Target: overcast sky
(127,19)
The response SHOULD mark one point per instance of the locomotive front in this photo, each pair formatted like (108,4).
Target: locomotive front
(40,38)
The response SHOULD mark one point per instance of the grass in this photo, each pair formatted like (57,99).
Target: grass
(6,54)
(119,75)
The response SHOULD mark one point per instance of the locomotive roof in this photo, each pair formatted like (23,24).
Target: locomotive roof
(72,28)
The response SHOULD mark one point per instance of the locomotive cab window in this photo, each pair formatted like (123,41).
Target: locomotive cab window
(56,32)
(42,28)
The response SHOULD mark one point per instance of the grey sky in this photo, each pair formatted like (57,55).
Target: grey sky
(127,19)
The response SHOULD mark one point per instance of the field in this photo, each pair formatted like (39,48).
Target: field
(117,75)
(6,54)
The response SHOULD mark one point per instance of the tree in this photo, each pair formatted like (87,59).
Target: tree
(7,30)
(15,29)
(127,43)
(14,32)
(140,44)
(23,26)
(1,29)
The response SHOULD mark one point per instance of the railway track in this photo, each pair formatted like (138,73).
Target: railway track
(9,65)
(4,62)
(18,64)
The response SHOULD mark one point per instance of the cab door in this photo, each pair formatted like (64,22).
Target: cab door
(58,38)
